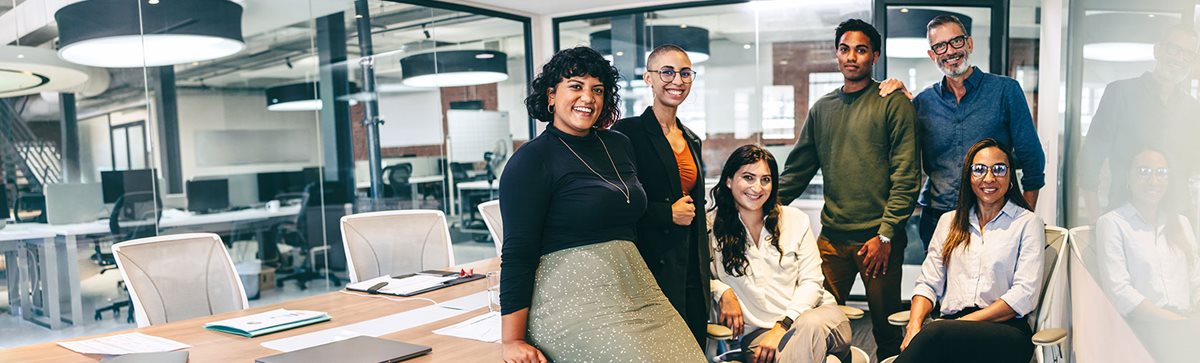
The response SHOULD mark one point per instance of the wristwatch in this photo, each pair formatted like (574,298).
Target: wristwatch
(884,240)
(786,323)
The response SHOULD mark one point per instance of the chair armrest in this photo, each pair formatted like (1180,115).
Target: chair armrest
(1048,337)
(852,313)
(899,318)
(719,332)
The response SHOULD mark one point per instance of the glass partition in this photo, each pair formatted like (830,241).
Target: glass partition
(262,122)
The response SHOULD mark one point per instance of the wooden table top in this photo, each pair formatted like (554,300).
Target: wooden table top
(345,309)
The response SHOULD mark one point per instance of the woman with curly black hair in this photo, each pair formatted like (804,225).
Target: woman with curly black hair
(766,269)
(573,286)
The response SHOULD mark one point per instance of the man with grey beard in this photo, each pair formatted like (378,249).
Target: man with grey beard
(968,105)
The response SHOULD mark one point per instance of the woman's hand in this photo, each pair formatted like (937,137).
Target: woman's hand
(910,332)
(769,347)
(731,313)
(518,351)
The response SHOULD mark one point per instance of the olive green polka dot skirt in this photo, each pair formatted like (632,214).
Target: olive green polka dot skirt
(599,303)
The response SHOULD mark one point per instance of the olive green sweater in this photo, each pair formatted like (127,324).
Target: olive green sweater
(866,147)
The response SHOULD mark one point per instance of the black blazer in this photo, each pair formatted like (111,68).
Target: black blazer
(663,244)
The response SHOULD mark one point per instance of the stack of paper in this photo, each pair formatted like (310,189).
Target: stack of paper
(124,344)
(484,328)
(268,322)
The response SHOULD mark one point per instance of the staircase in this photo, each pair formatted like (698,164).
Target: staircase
(29,162)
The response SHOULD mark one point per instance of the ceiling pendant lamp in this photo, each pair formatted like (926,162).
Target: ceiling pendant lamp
(1123,37)
(108,33)
(29,70)
(303,96)
(454,68)
(906,31)
(693,39)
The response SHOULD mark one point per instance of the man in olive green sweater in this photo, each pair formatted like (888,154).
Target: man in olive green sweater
(866,146)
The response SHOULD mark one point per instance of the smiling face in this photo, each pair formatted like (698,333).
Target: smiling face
(577,104)
(669,94)
(1148,178)
(856,56)
(954,62)
(989,188)
(1176,55)
(751,186)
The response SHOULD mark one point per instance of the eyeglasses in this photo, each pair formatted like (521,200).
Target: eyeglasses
(1144,173)
(998,170)
(667,75)
(1173,50)
(955,42)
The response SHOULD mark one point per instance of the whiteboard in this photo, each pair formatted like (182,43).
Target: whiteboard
(473,132)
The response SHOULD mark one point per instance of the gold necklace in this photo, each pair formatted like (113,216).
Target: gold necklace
(625,191)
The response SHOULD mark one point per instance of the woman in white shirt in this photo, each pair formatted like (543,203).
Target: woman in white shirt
(767,270)
(984,266)
(1147,256)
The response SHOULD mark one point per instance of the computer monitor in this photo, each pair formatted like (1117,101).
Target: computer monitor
(68,203)
(275,183)
(207,195)
(119,182)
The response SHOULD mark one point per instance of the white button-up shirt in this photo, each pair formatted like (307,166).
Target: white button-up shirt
(1003,261)
(1139,263)
(775,285)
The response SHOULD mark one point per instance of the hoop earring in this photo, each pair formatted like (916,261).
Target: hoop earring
(550,109)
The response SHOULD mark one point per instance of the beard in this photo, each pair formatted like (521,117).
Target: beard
(963,65)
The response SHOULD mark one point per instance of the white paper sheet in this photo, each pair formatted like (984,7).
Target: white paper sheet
(402,286)
(124,344)
(484,328)
(382,326)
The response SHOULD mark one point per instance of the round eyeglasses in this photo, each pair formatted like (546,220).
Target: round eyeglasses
(667,74)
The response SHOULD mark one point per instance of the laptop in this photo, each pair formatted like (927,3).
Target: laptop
(360,349)
(73,203)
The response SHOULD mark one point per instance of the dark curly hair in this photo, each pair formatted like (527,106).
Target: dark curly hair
(727,225)
(575,62)
(857,25)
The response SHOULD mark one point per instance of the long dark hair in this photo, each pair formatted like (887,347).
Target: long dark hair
(1168,206)
(727,226)
(960,227)
(575,62)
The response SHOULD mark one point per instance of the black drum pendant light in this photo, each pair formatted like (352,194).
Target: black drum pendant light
(132,33)
(454,68)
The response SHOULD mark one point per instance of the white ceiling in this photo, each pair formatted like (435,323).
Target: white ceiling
(563,7)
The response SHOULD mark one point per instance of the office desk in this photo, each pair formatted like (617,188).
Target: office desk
(345,309)
(12,242)
(65,280)
(413,182)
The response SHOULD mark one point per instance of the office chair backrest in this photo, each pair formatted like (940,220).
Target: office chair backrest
(459,170)
(135,215)
(30,208)
(398,174)
(1081,242)
(1053,299)
(177,277)
(395,243)
(491,217)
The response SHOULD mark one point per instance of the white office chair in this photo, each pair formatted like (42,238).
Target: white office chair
(491,217)
(395,243)
(1054,298)
(177,277)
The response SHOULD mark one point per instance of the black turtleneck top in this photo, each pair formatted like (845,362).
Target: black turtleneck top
(550,201)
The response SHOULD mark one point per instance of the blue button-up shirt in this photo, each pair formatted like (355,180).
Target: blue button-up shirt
(994,107)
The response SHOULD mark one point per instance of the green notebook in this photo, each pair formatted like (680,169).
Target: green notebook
(268,322)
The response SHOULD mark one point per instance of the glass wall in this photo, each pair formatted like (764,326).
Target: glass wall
(264,131)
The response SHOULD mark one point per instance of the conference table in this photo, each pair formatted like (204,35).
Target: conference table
(60,261)
(343,308)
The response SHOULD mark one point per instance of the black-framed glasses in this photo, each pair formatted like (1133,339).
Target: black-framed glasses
(1179,52)
(1144,173)
(998,170)
(955,42)
(667,75)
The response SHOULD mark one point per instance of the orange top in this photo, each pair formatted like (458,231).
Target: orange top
(687,168)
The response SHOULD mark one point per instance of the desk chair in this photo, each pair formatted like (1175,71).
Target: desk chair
(395,243)
(178,277)
(720,338)
(1048,337)
(295,234)
(396,177)
(30,208)
(490,210)
(134,215)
